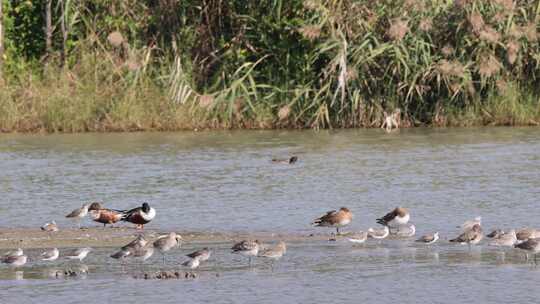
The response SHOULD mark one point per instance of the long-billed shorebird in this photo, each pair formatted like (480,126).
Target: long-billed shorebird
(379,234)
(50,255)
(395,218)
(16,260)
(508,239)
(195,258)
(247,248)
(50,227)
(78,214)
(335,219)
(167,242)
(429,238)
(471,236)
(78,254)
(358,237)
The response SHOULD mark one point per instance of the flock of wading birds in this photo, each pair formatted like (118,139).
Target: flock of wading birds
(394,223)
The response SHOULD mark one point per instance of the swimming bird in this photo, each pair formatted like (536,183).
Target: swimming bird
(467,225)
(524,234)
(530,245)
(408,230)
(289,161)
(334,219)
(470,237)
(167,242)
(379,234)
(358,237)
(247,248)
(50,227)
(429,238)
(14,260)
(78,254)
(140,216)
(195,258)
(495,234)
(506,240)
(104,215)
(79,214)
(395,218)
(50,255)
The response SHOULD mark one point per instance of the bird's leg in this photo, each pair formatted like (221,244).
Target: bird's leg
(337,230)
(249,261)
(164,259)
(535,259)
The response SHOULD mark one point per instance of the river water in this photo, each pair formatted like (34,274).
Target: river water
(225,181)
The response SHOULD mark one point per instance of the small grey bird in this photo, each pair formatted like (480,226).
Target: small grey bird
(78,214)
(274,253)
(165,243)
(50,255)
(128,250)
(50,227)
(404,231)
(78,254)
(379,233)
(495,234)
(247,248)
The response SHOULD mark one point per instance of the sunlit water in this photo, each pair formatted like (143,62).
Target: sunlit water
(225,181)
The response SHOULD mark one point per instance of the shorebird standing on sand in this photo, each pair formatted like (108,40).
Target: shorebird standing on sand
(247,248)
(50,255)
(334,219)
(530,245)
(165,243)
(396,218)
(78,254)
(429,238)
(78,214)
(50,227)
(195,258)
(140,216)
(470,237)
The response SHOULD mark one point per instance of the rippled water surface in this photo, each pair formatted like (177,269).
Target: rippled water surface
(225,181)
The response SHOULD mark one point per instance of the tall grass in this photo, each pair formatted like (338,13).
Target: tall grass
(283,64)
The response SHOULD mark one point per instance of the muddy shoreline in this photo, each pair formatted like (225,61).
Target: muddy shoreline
(11,238)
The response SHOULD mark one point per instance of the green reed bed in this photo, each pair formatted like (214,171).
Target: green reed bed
(170,65)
